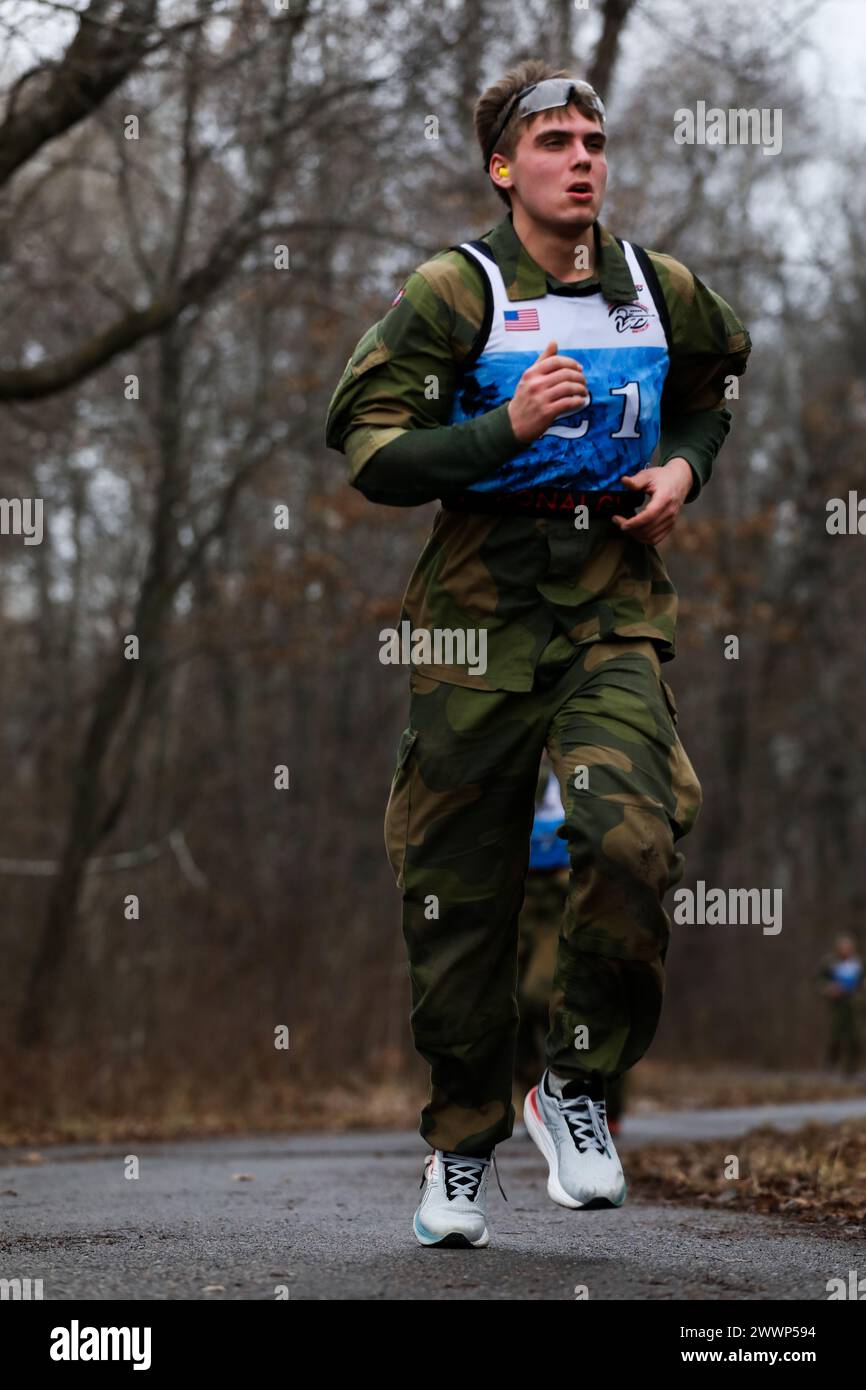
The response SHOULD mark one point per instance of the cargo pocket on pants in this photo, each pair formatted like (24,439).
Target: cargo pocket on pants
(397,812)
(686,789)
(669,699)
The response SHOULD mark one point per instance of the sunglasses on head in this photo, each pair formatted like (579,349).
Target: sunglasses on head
(543,96)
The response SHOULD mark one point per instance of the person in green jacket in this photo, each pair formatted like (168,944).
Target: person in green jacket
(562,392)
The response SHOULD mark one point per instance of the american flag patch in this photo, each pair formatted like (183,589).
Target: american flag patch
(521,320)
(398,296)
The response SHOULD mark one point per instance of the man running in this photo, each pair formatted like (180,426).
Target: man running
(525,379)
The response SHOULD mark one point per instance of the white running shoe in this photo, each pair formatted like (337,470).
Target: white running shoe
(572,1133)
(453,1210)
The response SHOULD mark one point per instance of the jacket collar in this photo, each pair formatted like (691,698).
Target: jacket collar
(525,279)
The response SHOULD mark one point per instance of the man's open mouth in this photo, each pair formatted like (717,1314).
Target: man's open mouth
(580,187)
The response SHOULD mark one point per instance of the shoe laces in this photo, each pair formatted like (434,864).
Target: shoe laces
(462,1173)
(586,1121)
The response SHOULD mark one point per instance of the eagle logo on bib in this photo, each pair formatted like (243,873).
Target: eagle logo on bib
(630,317)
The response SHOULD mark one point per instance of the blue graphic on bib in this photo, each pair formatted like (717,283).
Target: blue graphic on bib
(590,449)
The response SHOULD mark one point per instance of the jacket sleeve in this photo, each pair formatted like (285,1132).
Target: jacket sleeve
(389,413)
(709,346)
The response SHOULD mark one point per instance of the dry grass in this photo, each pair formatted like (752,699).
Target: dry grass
(817,1174)
(61,1100)
(656,1085)
(181,1109)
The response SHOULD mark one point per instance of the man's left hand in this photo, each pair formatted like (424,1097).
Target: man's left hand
(668,487)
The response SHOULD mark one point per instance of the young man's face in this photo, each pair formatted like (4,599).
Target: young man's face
(562,148)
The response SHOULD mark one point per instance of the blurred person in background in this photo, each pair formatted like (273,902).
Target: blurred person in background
(841,978)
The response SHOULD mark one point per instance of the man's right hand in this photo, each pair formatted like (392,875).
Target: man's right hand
(552,386)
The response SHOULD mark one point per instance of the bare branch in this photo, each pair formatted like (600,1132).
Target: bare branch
(96,62)
(116,863)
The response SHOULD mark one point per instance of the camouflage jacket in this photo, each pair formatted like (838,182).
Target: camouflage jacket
(525,580)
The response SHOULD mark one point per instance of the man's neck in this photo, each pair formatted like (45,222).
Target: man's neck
(557,252)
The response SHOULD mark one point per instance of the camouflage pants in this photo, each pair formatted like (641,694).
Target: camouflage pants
(537,945)
(457,832)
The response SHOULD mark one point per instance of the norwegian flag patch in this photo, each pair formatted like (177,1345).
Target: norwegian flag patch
(521,320)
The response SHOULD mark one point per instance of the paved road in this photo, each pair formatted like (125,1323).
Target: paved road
(329,1216)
